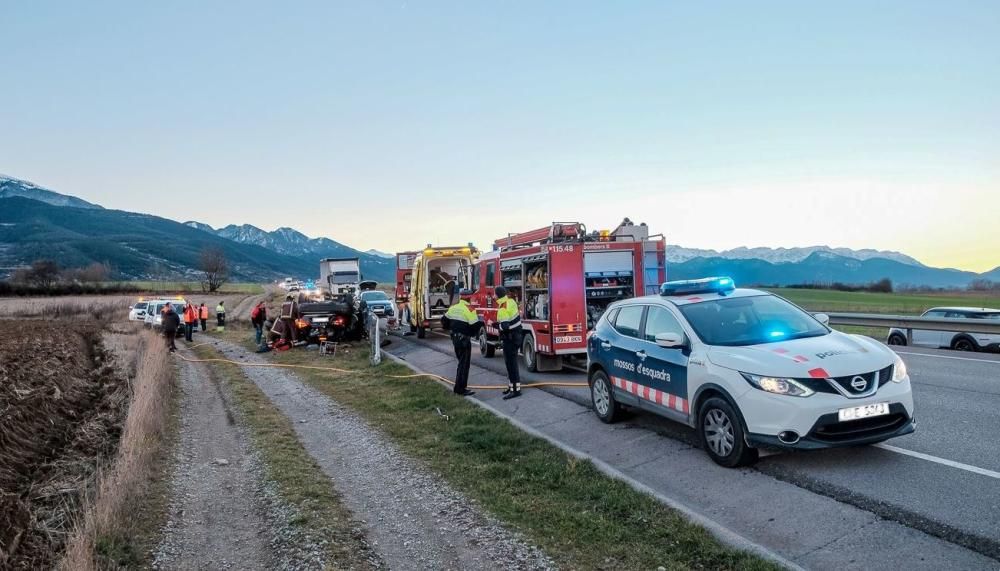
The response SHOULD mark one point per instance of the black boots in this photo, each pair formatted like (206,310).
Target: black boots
(511,394)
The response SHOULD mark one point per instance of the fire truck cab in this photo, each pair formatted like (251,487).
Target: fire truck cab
(563,279)
(436,277)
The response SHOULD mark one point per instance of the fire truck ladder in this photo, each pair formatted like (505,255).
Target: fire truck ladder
(555,233)
(654,263)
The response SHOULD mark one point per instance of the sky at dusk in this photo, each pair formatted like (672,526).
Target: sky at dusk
(390,125)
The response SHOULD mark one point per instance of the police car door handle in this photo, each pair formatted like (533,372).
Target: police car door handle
(641,355)
(605,344)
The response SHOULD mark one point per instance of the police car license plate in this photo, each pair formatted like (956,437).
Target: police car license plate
(866,411)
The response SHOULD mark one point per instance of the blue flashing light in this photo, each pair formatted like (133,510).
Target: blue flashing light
(719,285)
(776,334)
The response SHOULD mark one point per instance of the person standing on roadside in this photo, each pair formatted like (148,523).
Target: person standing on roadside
(289,313)
(509,322)
(464,324)
(220,316)
(190,319)
(258,315)
(169,322)
(203,316)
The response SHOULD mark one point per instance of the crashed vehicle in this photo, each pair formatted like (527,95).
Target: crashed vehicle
(340,317)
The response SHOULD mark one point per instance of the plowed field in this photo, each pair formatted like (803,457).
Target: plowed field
(61,407)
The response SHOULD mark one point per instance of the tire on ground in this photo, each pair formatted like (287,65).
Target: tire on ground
(530,357)
(964,343)
(740,453)
(602,396)
(485,349)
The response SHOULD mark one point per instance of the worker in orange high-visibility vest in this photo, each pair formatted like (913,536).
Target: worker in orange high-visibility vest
(190,318)
(203,315)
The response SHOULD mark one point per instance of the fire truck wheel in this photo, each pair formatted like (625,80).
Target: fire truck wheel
(421,332)
(528,348)
(485,349)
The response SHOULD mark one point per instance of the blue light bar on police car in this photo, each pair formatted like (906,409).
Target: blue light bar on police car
(719,285)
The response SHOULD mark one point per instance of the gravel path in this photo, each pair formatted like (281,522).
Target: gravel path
(415,520)
(223,514)
(242,310)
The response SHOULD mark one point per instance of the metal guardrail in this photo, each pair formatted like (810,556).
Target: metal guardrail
(910,322)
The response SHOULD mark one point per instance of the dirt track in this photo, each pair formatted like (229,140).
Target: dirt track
(416,520)
(218,519)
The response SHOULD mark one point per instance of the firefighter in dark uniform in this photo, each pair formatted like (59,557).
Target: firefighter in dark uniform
(509,322)
(464,324)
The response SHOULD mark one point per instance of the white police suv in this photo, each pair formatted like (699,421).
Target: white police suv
(746,369)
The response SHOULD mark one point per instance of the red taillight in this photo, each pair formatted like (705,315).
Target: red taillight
(301,323)
(339,320)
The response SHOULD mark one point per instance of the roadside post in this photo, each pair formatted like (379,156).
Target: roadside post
(373,333)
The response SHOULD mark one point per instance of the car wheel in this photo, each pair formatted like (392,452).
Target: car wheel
(528,348)
(603,397)
(485,349)
(964,344)
(721,434)
(421,332)
(897,339)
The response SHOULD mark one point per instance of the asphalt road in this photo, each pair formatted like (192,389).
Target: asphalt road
(943,480)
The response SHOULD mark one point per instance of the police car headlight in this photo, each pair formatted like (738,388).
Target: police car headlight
(778,386)
(898,370)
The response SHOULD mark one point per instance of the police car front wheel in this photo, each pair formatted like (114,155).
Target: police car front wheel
(722,435)
(603,397)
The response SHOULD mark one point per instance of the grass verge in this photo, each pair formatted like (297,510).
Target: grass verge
(121,526)
(301,483)
(579,516)
(892,303)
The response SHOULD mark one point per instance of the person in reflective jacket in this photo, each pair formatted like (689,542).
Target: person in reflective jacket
(509,322)
(220,316)
(464,324)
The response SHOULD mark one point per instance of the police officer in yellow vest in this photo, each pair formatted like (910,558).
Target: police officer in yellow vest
(464,324)
(509,322)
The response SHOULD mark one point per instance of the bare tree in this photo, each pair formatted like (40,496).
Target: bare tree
(214,265)
(42,273)
(982,284)
(94,273)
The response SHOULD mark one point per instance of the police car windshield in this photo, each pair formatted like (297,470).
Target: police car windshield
(752,320)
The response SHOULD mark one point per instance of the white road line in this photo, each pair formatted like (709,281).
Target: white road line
(942,461)
(947,357)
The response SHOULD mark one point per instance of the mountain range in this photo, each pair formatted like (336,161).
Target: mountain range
(782,255)
(36,222)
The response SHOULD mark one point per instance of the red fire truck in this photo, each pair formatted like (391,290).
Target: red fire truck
(563,279)
(404,267)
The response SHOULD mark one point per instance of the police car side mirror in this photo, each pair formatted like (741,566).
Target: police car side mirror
(669,340)
(822,318)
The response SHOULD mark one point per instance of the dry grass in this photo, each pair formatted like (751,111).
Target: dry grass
(124,513)
(105,308)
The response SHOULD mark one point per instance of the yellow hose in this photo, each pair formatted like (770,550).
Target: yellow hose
(413,376)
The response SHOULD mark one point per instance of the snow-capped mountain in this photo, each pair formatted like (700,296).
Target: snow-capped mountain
(375,252)
(677,254)
(11,187)
(200,226)
(294,243)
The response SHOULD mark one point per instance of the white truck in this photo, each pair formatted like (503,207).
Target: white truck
(340,275)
